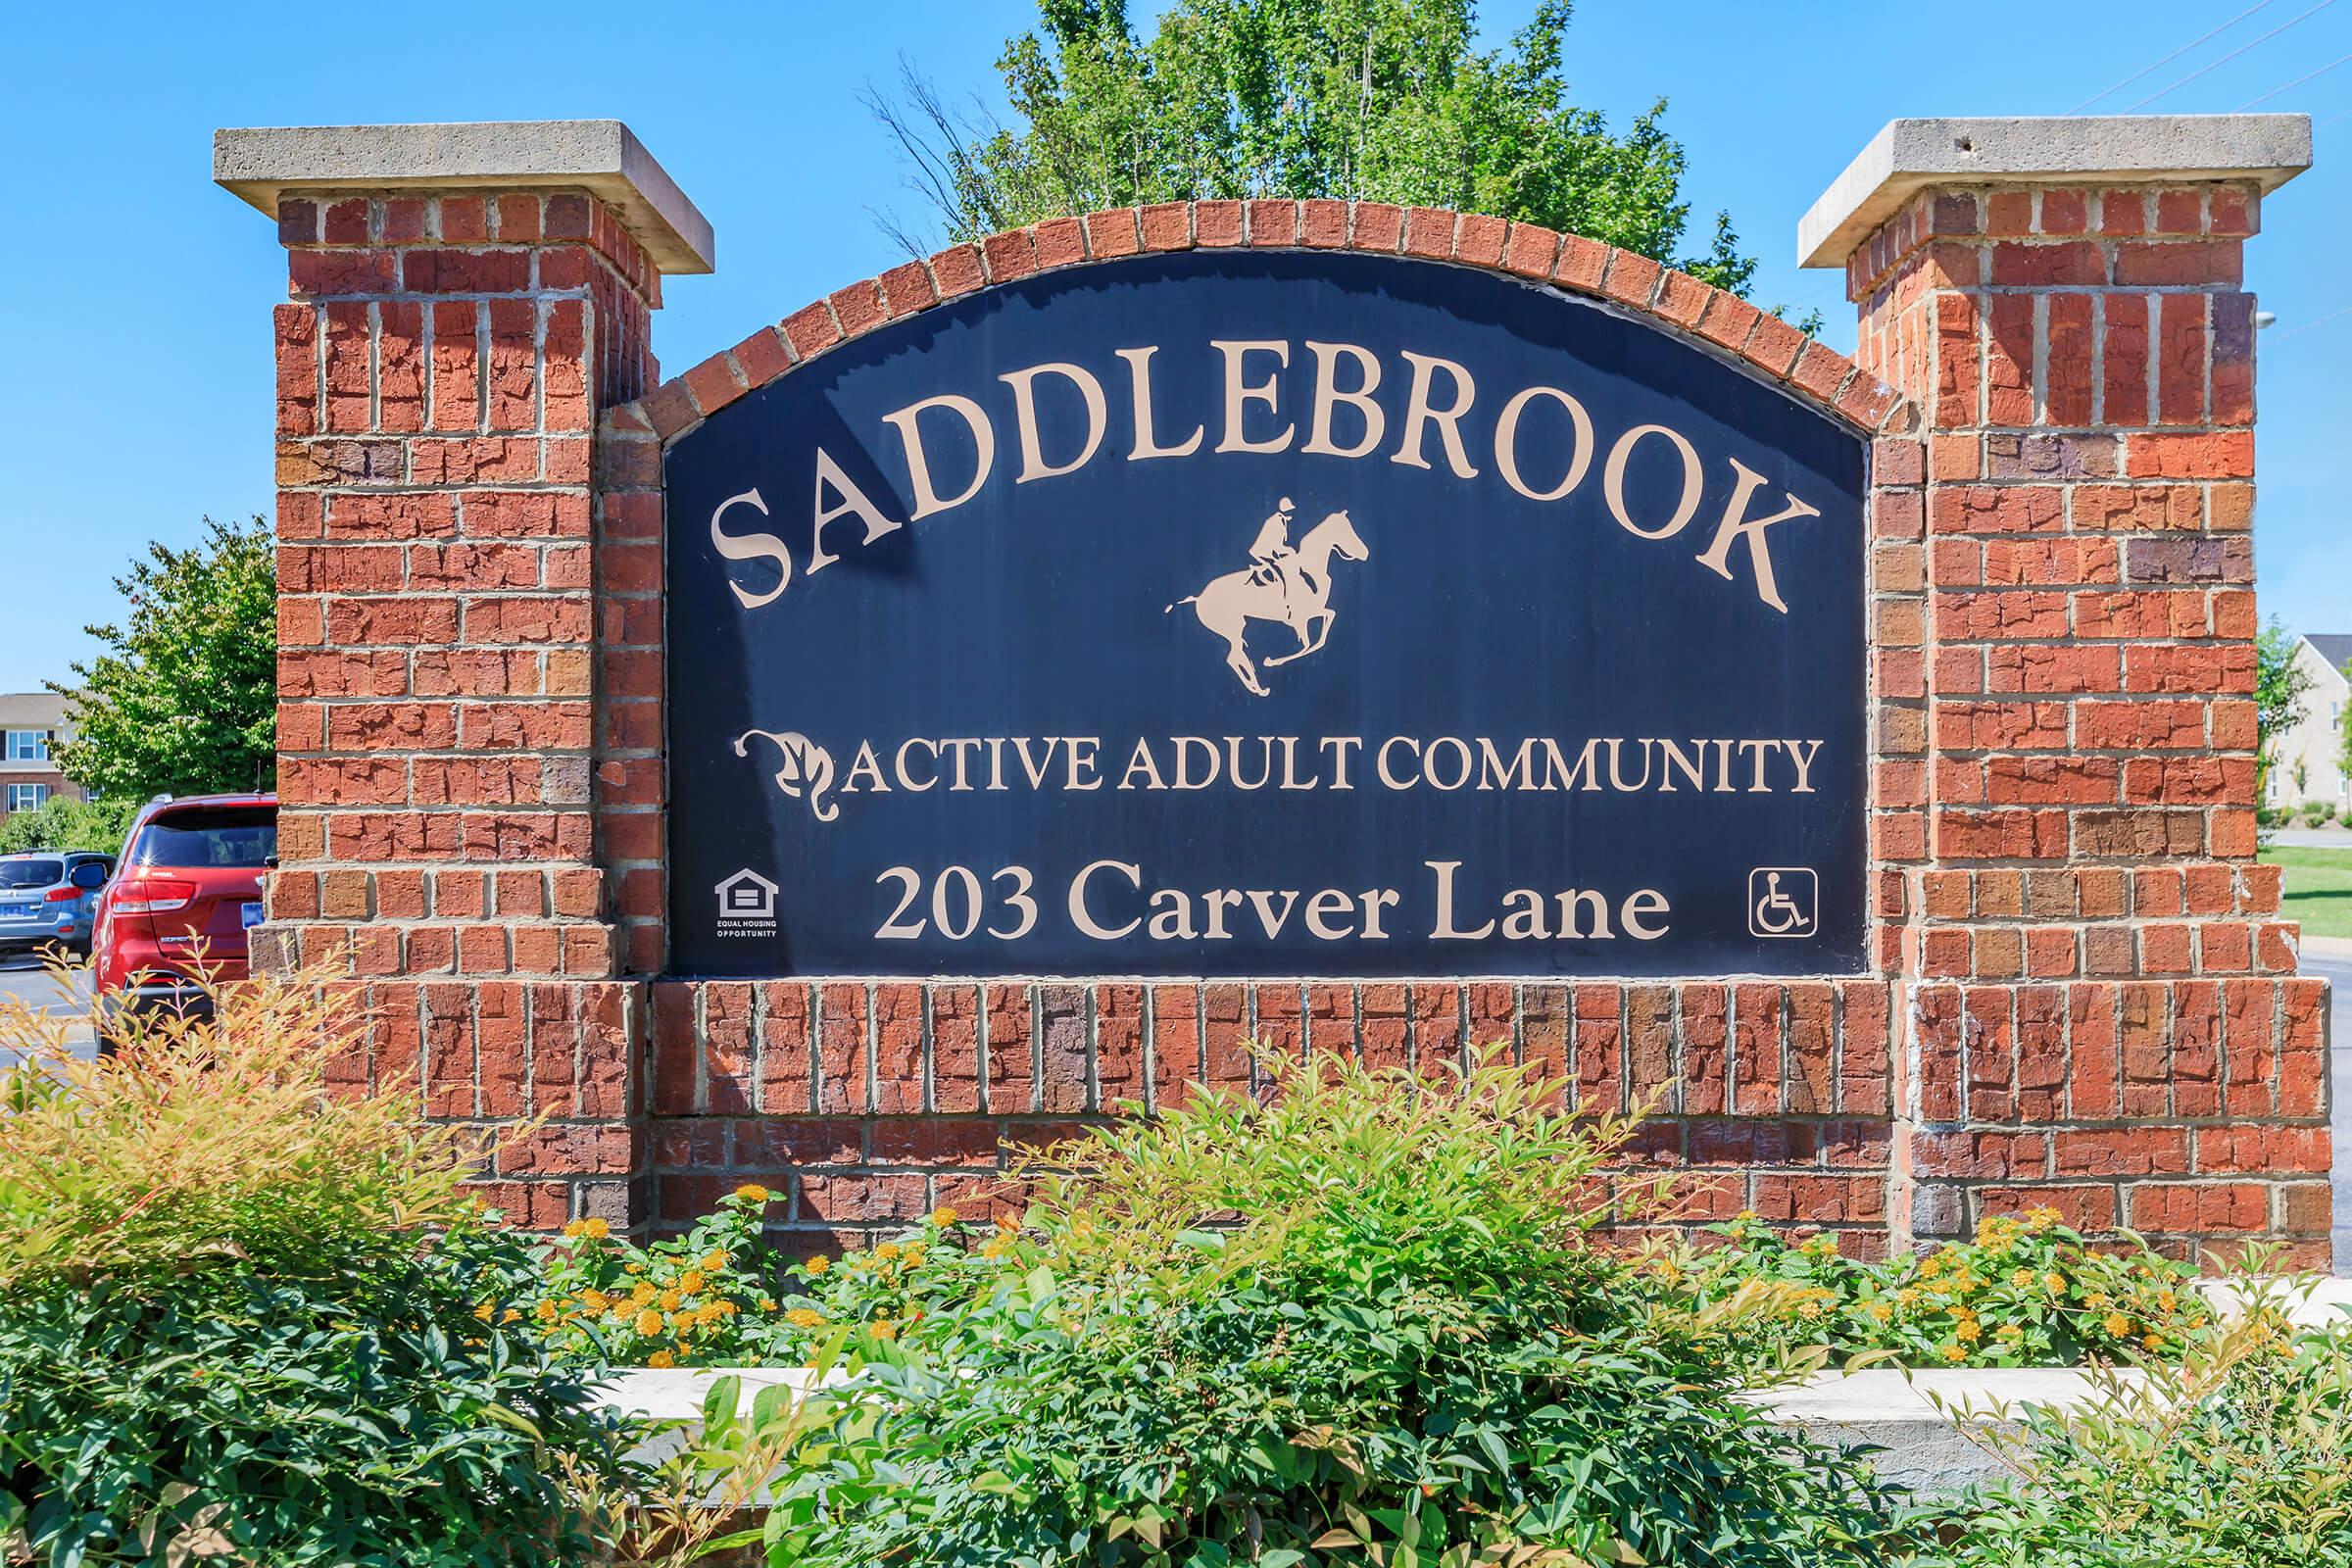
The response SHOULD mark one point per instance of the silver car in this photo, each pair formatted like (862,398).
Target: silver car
(50,896)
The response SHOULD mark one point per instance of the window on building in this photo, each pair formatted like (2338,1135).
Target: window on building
(28,797)
(28,746)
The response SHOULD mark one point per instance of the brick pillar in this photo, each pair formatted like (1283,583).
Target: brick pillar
(464,300)
(2103,1011)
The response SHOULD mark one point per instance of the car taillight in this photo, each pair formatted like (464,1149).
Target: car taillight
(65,895)
(153,895)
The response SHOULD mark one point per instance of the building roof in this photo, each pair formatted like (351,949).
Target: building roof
(31,710)
(2334,647)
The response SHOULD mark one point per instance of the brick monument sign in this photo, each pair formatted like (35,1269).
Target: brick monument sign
(997,692)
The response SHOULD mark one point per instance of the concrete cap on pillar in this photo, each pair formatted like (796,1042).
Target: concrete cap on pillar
(599,156)
(1910,155)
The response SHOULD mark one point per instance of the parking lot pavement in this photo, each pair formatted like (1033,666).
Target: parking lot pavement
(24,979)
(2331,837)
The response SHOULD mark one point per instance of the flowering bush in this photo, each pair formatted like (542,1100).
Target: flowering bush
(1357,1325)
(705,1298)
(2237,1458)
(721,1297)
(2026,1292)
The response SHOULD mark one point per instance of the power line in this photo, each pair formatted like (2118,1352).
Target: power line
(2169,59)
(2297,82)
(2308,325)
(2232,55)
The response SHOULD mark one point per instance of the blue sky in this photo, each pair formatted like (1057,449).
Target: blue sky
(134,296)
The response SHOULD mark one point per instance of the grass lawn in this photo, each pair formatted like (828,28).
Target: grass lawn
(2318,889)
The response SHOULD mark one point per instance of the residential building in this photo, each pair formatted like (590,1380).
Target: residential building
(2310,754)
(32,727)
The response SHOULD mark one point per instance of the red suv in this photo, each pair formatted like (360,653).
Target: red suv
(187,888)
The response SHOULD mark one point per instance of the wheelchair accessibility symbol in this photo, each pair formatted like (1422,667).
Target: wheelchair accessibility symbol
(1782,901)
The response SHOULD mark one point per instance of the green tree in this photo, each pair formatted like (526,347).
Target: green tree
(2343,733)
(185,701)
(2280,685)
(1382,100)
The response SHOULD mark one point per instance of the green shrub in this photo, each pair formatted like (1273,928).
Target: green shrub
(242,1316)
(362,1416)
(2242,1459)
(2026,1292)
(1357,1324)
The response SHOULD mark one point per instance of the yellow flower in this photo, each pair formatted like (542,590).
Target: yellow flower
(649,1323)
(943,1217)
(1823,1245)
(691,1282)
(2117,1324)
(1970,1332)
(2010,1331)
(572,1229)
(483,1311)
(670,1300)
(594,1300)
(545,1311)
(913,1253)
(1956,1352)
(643,1295)
(632,1268)
(800,1317)
(596,1229)
(767,1304)
(993,1249)
(2167,1301)
(752,1193)
(886,1252)
(2038,1220)
(510,1315)
(2054,1283)
(2154,1341)
(819,1265)
(1908,1295)
(660,1358)
(715,1261)
(883,1329)
(1929,1268)
(1881,1311)
(1746,1216)
(2023,1279)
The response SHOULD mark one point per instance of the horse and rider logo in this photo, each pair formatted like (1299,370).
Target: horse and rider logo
(1291,586)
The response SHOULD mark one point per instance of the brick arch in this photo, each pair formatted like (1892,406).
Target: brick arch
(1713,319)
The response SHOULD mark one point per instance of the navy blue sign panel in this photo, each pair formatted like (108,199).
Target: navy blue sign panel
(1268,614)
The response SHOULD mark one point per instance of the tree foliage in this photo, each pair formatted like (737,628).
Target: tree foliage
(2279,686)
(1381,100)
(68,824)
(185,701)
(2343,733)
